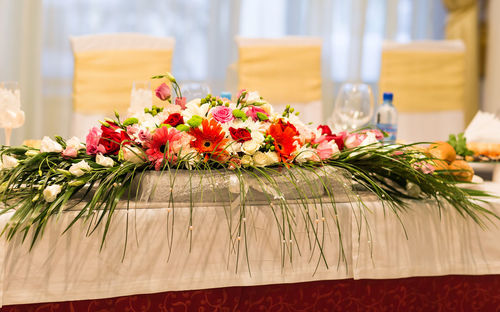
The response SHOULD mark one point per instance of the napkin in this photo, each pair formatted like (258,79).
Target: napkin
(485,127)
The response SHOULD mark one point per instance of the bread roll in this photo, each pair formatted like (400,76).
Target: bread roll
(461,170)
(442,150)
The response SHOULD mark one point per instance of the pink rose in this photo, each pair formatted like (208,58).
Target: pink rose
(253,110)
(354,140)
(181,102)
(132,130)
(70,152)
(378,134)
(93,138)
(144,135)
(222,114)
(163,92)
(326,149)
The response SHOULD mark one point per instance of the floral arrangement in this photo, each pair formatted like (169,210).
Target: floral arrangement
(245,136)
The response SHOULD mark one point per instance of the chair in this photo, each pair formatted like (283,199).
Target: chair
(427,79)
(284,71)
(106,66)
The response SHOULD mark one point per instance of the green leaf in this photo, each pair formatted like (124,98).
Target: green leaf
(262,116)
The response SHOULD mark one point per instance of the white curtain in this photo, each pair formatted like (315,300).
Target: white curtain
(20,50)
(352,33)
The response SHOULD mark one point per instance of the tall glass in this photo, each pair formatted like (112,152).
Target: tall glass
(141,96)
(11,115)
(353,107)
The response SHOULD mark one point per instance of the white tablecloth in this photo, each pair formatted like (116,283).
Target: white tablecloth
(71,267)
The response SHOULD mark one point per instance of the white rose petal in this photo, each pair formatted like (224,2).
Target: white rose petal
(48,145)
(9,162)
(104,160)
(250,147)
(133,154)
(79,168)
(50,192)
(260,159)
(247,160)
(75,143)
(253,97)
(272,157)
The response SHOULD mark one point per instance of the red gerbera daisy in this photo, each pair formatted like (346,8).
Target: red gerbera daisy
(210,140)
(284,139)
(160,146)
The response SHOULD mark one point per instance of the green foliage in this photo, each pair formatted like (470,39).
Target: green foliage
(381,171)
(459,143)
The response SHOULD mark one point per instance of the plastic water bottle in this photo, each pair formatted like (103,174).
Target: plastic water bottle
(387,118)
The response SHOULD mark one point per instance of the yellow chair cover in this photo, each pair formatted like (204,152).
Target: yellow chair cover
(424,81)
(107,65)
(282,70)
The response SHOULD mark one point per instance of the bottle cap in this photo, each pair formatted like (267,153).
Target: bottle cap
(225,95)
(387,96)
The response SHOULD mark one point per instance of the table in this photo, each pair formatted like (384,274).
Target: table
(71,267)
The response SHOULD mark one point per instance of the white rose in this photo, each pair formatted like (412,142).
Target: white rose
(234,147)
(253,97)
(258,137)
(48,145)
(246,160)
(79,168)
(75,143)
(8,162)
(273,157)
(50,192)
(250,147)
(133,154)
(265,159)
(104,160)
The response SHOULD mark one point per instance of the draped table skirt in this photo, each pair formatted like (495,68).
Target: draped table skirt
(155,272)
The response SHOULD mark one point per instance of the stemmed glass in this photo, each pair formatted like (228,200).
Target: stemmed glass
(141,96)
(11,115)
(353,107)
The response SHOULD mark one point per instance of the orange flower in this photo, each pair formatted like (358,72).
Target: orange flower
(284,139)
(210,140)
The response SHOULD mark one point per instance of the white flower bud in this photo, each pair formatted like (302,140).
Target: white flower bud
(79,168)
(104,160)
(50,192)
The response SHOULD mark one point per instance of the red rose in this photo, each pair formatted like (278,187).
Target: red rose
(240,135)
(112,137)
(174,120)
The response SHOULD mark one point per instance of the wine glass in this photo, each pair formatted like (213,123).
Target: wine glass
(353,107)
(11,115)
(141,96)
(194,89)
